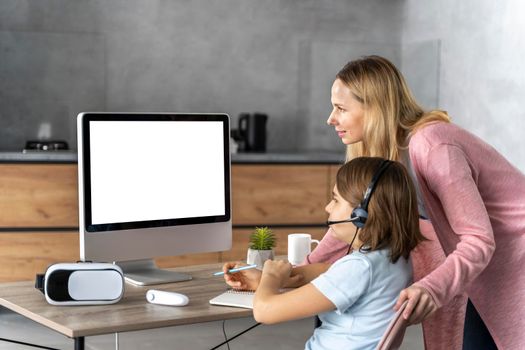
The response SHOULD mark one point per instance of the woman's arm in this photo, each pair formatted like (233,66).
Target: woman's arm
(270,306)
(448,174)
(328,250)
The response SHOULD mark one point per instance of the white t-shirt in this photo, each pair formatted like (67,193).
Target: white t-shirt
(364,288)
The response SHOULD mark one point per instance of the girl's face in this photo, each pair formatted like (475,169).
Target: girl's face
(340,209)
(347,114)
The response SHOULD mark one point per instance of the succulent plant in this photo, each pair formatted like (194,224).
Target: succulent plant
(262,238)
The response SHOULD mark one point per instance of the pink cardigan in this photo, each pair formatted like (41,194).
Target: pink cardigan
(476,202)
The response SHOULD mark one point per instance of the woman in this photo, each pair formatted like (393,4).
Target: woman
(474,198)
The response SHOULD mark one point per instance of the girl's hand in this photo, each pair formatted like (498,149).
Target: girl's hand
(246,279)
(420,305)
(279,270)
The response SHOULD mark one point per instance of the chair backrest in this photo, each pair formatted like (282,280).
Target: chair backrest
(393,336)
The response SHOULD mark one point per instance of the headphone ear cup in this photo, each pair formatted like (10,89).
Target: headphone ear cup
(360,215)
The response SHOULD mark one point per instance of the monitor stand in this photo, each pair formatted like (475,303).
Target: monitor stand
(145,273)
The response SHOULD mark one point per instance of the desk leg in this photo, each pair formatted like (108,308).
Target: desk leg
(79,343)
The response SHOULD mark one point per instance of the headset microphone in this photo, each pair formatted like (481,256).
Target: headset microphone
(340,221)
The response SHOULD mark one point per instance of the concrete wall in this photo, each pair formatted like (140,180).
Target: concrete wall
(481,71)
(60,57)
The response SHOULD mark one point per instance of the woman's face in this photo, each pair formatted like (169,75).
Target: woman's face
(340,209)
(347,114)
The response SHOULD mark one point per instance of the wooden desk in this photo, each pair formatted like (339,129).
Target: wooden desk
(132,313)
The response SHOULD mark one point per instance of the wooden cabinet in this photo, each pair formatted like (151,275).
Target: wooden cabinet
(333,172)
(38,218)
(279,194)
(24,254)
(39,212)
(38,195)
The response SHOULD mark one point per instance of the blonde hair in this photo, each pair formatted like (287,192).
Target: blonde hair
(391,113)
(393,219)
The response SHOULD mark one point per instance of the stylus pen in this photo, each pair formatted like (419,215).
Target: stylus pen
(242,268)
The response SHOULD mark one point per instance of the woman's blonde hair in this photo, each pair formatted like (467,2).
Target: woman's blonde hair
(391,112)
(393,219)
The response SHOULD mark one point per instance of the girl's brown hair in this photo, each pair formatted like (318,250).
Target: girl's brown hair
(393,219)
(391,112)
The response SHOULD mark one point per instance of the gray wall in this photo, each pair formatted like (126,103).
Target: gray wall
(481,72)
(60,57)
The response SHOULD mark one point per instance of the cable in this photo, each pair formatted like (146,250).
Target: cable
(27,344)
(224,332)
(235,336)
(350,249)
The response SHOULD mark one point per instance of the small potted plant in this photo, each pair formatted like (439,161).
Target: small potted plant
(262,242)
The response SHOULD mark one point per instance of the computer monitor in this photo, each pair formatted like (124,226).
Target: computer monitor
(152,184)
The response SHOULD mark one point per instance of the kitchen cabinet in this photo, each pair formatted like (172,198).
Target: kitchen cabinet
(38,196)
(333,172)
(279,194)
(26,253)
(39,212)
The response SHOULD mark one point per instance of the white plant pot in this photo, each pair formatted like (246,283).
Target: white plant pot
(258,257)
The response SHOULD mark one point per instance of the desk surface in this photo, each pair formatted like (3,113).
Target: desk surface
(132,313)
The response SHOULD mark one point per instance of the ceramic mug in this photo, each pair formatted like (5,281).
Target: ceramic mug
(299,246)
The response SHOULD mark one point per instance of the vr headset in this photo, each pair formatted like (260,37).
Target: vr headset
(81,283)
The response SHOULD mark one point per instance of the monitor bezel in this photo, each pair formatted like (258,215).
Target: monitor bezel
(165,117)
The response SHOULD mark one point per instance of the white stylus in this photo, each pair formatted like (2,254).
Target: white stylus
(237,269)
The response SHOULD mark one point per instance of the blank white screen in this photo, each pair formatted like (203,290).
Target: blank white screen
(155,170)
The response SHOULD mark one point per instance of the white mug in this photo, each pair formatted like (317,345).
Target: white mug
(299,246)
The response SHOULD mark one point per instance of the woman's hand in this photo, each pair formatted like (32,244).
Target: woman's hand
(420,305)
(246,279)
(278,270)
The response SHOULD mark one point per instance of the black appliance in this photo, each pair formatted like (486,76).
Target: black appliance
(46,145)
(251,132)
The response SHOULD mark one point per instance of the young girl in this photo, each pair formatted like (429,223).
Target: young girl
(373,210)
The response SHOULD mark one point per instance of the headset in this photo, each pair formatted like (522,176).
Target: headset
(360,213)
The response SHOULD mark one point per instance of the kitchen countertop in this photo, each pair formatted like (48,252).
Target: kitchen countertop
(237,158)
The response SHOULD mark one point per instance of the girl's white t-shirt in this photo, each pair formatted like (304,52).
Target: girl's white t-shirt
(364,287)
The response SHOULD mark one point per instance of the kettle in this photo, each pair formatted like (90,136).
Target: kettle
(251,132)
